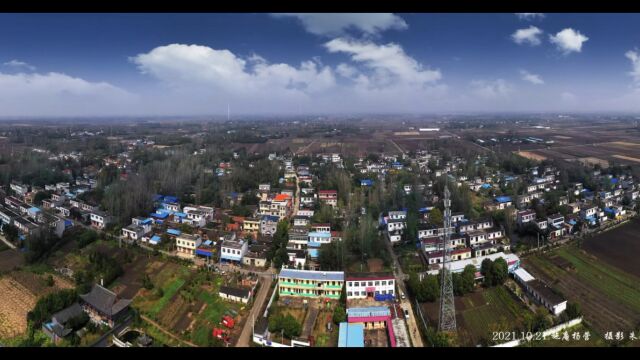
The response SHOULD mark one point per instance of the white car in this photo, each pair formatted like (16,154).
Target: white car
(406,314)
(402,296)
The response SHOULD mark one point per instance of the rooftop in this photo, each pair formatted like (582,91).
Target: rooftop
(312,275)
(545,292)
(105,300)
(351,335)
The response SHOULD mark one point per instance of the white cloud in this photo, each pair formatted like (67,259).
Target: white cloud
(635,64)
(183,66)
(374,78)
(532,78)
(568,40)
(494,89)
(54,94)
(529,16)
(530,35)
(19,64)
(337,24)
(388,64)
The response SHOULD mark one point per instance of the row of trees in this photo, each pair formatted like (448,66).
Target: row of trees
(277,253)
(428,289)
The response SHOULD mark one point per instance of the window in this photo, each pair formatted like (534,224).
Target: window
(356,283)
(370,283)
(384,292)
(348,293)
(390,292)
(377,283)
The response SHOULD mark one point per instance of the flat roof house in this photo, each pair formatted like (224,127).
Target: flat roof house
(186,245)
(233,250)
(368,285)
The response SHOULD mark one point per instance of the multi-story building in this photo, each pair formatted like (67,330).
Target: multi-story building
(268,225)
(367,285)
(186,245)
(329,197)
(100,219)
(233,250)
(309,283)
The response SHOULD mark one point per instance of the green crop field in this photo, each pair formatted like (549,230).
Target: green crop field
(495,309)
(614,283)
(169,291)
(608,296)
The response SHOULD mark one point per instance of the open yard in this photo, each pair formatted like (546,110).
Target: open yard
(608,296)
(480,313)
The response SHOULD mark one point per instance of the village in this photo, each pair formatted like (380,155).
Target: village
(314,250)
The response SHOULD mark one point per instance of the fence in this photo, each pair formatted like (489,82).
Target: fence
(554,330)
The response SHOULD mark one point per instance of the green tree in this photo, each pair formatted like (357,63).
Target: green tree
(435,216)
(573,310)
(11,232)
(339,315)
(486,269)
(500,271)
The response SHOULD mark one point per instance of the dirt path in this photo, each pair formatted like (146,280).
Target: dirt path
(247,332)
(167,332)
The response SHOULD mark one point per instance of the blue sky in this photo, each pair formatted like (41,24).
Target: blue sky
(197,64)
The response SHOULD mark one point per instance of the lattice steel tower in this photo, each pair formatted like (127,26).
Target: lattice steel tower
(447,320)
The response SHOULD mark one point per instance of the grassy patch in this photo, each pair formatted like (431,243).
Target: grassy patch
(169,291)
(616,284)
(594,339)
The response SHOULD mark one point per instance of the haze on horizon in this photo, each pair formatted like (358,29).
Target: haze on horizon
(72,65)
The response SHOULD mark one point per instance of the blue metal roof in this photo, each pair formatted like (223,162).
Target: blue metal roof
(313,244)
(486,186)
(503,199)
(320,234)
(351,335)
(159,216)
(174,232)
(313,253)
(34,209)
(270,218)
(368,311)
(171,199)
(312,275)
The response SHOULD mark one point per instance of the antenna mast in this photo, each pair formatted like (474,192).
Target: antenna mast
(447,321)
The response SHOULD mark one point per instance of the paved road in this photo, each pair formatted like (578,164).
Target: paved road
(246,336)
(414,332)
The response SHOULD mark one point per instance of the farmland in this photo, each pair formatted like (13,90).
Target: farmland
(20,290)
(480,313)
(619,247)
(187,304)
(609,297)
